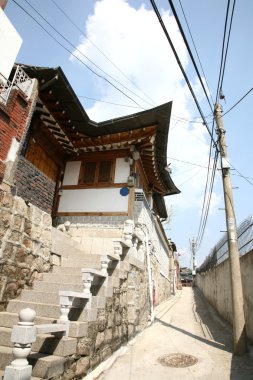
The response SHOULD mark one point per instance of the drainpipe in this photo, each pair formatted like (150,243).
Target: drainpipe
(149,276)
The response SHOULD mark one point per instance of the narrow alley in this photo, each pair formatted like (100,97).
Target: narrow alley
(184,325)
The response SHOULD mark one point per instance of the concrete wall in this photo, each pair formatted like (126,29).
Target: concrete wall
(216,287)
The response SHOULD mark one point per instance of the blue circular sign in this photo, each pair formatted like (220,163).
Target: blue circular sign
(124,191)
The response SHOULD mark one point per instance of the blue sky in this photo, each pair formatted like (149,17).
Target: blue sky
(129,35)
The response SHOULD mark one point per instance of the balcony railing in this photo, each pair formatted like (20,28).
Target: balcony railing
(20,81)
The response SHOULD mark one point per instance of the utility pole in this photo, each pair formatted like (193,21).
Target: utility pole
(194,256)
(239,334)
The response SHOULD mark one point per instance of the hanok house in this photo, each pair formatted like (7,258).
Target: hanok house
(103,184)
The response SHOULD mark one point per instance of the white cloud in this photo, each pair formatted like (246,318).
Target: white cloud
(133,39)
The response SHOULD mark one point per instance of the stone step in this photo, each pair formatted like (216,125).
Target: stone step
(64,239)
(42,309)
(45,343)
(76,329)
(44,366)
(81,261)
(53,311)
(34,296)
(66,248)
(63,278)
(44,286)
(73,270)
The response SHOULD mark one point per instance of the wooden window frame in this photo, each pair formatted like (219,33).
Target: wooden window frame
(96,183)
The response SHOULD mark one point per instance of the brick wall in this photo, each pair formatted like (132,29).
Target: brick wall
(34,186)
(14,117)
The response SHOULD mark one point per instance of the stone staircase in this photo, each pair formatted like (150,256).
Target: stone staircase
(76,288)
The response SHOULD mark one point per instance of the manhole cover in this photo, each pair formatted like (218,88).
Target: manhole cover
(177,360)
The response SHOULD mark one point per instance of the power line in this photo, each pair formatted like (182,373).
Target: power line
(225,59)
(101,52)
(195,48)
(241,175)
(189,51)
(222,52)
(181,67)
(244,96)
(104,101)
(208,202)
(187,162)
(69,51)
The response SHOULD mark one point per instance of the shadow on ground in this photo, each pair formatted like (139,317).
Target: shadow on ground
(222,333)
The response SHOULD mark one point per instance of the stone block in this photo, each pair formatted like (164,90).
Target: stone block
(35,215)
(84,346)
(94,361)
(108,336)
(20,255)
(20,206)
(101,324)
(15,237)
(47,220)
(82,366)
(18,223)
(28,227)
(6,200)
(8,251)
(5,219)
(100,340)
(105,353)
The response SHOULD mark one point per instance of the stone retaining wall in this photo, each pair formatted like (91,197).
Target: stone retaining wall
(25,242)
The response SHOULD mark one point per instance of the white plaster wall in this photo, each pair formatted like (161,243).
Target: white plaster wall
(122,170)
(10,42)
(93,200)
(71,174)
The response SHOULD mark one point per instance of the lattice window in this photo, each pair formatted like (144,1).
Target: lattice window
(97,172)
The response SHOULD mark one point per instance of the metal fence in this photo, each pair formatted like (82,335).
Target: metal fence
(219,252)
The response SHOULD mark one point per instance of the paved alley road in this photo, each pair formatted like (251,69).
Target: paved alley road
(184,325)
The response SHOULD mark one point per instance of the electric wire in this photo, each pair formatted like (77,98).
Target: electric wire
(205,213)
(80,52)
(228,39)
(239,101)
(190,52)
(205,217)
(222,52)
(196,51)
(101,52)
(241,175)
(181,67)
(78,58)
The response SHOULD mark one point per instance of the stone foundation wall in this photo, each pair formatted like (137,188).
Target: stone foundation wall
(161,284)
(125,314)
(25,242)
